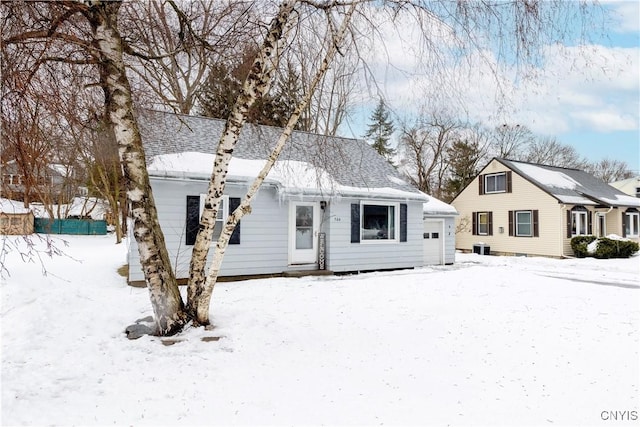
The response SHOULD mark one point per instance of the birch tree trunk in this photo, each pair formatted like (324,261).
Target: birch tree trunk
(202,313)
(167,303)
(255,86)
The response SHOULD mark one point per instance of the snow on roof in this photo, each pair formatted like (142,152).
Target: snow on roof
(291,176)
(314,164)
(435,206)
(548,177)
(572,186)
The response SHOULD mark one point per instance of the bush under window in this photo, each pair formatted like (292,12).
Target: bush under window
(604,247)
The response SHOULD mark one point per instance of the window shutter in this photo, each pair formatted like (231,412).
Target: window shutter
(403,222)
(474,223)
(192,219)
(508,179)
(481,184)
(536,228)
(568,224)
(511,233)
(589,222)
(355,223)
(624,224)
(490,225)
(234,202)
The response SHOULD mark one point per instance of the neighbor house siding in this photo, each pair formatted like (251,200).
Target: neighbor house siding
(523,196)
(343,255)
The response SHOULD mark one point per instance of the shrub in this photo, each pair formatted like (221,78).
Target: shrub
(579,245)
(605,248)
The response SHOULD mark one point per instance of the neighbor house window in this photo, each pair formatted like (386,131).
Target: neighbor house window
(579,221)
(524,222)
(379,222)
(495,183)
(631,223)
(482,223)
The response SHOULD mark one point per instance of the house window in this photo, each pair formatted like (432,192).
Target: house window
(495,183)
(379,222)
(524,223)
(631,223)
(195,207)
(483,223)
(578,222)
(637,191)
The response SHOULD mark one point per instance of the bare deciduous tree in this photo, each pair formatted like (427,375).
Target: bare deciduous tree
(610,170)
(424,146)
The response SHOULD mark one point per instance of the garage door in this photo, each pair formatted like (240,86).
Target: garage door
(433,242)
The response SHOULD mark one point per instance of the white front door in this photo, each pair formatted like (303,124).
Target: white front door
(304,223)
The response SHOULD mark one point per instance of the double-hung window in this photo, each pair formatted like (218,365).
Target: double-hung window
(631,223)
(483,223)
(195,207)
(524,223)
(495,183)
(379,222)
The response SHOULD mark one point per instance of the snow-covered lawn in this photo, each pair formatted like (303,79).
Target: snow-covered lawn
(490,340)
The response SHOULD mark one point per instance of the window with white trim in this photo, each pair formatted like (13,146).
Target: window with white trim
(578,222)
(524,223)
(631,224)
(379,222)
(495,183)
(483,223)
(221,218)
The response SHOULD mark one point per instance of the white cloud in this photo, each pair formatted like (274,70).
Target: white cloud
(626,15)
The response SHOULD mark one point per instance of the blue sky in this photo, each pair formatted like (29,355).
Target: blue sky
(585,95)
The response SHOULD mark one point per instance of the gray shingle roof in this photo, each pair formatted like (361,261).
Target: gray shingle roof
(571,186)
(350,162)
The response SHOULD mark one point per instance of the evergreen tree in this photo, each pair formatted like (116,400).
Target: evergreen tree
(380,130)
(463,157)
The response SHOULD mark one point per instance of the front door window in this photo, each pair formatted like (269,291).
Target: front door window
(304,227)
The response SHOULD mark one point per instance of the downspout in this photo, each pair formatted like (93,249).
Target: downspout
(562,216)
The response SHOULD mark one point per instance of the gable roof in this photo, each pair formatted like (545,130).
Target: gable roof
(571,186)
(184,146)
(628,185)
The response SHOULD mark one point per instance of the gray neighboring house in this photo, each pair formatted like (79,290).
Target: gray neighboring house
(330,203)
(439,232)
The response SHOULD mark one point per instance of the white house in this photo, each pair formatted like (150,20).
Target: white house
(330,203)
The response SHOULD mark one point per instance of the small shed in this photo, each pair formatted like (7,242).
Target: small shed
(15,219)
(439,237)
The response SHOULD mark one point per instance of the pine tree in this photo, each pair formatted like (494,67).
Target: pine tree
(380,130)
(463,157)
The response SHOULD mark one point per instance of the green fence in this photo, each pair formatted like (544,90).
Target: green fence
(70,226)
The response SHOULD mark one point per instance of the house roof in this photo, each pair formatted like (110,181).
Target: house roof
(628,185)
(571,186)
(182,146)
(438,207)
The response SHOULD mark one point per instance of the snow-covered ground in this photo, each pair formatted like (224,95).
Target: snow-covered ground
(488,341)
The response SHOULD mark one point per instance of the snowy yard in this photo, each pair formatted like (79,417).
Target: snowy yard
(490,340)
